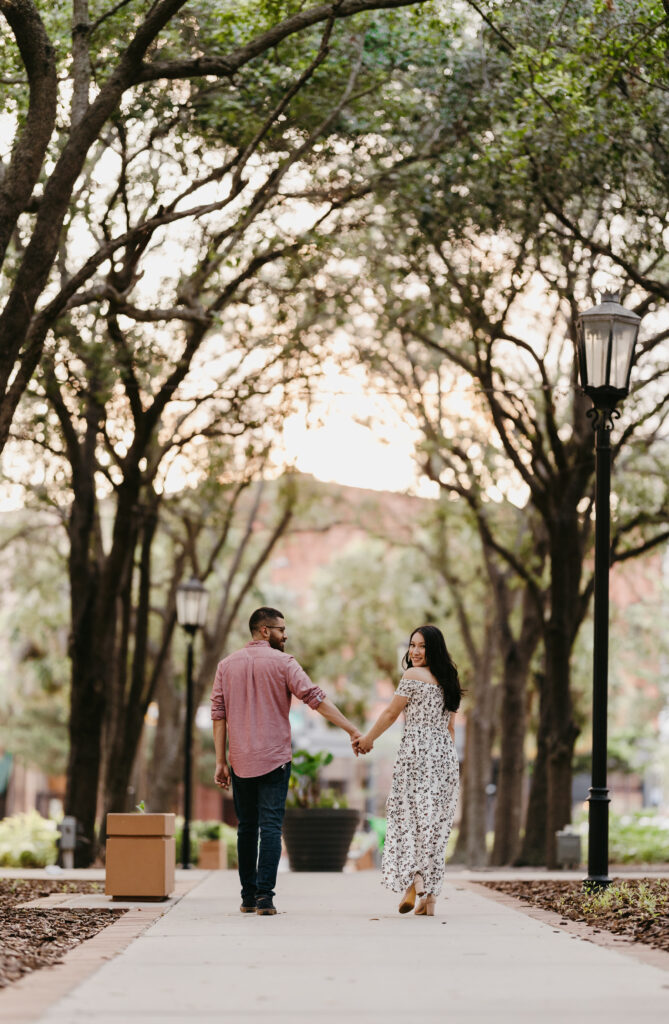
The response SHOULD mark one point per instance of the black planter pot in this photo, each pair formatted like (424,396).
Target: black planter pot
(317,839)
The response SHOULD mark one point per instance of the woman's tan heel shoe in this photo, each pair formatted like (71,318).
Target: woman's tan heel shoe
(408,900)
(417,888)
(426,906)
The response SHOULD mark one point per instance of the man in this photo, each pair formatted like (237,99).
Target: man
(250,702)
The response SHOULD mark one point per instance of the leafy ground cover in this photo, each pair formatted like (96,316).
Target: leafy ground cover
(637,909)
(36,938)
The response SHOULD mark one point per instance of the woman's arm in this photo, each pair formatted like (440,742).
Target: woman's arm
(383,722)
(451,726)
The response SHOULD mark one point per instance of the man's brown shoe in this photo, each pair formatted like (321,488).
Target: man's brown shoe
(265,906)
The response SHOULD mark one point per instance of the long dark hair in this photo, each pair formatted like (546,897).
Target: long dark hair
(440,664)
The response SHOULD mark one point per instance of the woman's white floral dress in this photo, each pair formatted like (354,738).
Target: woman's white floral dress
(424,792)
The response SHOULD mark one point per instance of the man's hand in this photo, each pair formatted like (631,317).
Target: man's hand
(222,776)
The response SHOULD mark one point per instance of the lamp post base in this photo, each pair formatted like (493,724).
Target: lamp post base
(598,838)
(595,883)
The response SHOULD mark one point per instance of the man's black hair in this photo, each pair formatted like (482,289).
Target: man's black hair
(263,617)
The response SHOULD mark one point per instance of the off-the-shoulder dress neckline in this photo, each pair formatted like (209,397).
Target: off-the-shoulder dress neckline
(409,679)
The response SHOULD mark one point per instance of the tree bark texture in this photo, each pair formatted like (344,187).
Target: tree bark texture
(480,722)
(533,848)
(459,854)
(165,768)
(517,658)
(480,730)
(560,632)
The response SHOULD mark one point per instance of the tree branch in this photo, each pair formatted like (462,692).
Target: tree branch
(81,61)
(225,67)
(38,57)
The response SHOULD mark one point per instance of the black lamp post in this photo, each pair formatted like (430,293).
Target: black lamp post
(607,335)
(191,614)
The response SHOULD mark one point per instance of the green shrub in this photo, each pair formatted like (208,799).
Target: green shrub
(200,830)
(178,835)
(305,786)
(229,834)
(28,841)
(218,830)
(639,838)
(207,829)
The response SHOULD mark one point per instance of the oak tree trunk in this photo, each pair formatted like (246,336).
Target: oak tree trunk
(470,847)
(513,724)
(566,564)
(533,848)
(165,769)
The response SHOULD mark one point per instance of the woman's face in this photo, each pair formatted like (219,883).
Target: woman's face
(417,650)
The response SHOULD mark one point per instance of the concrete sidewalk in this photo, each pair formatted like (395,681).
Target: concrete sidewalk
(339,951)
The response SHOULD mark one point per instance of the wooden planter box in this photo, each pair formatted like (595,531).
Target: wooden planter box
(317,839)
(140,856)
(212,854)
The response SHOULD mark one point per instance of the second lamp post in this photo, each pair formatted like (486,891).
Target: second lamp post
(191,614)
(607,335)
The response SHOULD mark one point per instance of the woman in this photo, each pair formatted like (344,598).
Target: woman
(424,791)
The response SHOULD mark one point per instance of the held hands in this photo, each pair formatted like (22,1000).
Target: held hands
(222,776)
(362,745)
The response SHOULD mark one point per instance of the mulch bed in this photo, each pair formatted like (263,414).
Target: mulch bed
(641,914)
(30,939)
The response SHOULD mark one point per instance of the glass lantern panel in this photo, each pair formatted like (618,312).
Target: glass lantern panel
(596,343)
(184,607)
(191,605)
(624,336)
(202,608)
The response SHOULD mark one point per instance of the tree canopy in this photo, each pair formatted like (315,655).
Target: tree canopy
(198,200)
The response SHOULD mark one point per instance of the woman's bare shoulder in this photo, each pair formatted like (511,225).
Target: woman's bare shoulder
(422,674)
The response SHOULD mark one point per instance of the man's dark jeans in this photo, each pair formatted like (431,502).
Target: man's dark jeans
(260,803)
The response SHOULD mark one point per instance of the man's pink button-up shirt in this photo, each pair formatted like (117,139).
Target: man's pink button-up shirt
(252,691)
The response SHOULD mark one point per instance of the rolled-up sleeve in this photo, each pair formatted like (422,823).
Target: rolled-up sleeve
(301,686)
(217,698)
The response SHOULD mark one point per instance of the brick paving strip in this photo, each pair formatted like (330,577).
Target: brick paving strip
(578,929)
(27,999)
